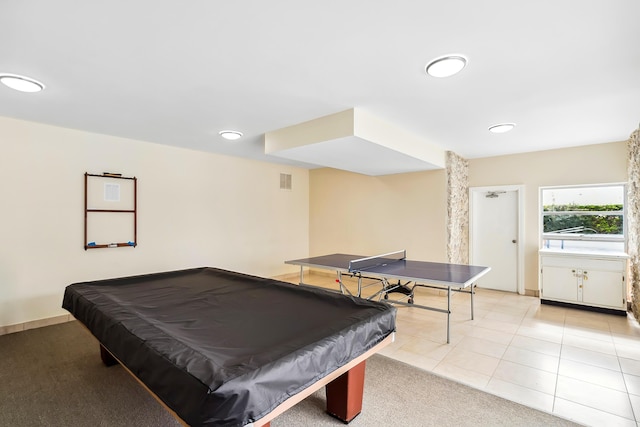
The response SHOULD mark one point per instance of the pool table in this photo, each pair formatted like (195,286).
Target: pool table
(222,348)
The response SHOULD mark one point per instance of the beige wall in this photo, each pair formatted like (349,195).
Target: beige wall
(195,209)
(199,209)
(590,164)
(364,215)
(361,214)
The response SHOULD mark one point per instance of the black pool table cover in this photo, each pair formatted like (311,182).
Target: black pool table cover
(221,348)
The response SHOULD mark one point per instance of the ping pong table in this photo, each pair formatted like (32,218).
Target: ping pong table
(394,266)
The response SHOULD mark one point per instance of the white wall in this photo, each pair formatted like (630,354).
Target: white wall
(195,209)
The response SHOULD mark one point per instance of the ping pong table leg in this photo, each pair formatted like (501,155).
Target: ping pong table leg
(448,311)
(472,292)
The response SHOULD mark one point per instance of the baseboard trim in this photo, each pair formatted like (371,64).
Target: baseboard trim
(584,307)
(33,324)
(286,277)
(296,276)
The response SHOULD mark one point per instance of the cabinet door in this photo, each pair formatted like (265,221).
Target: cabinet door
(559,283)
(603,288)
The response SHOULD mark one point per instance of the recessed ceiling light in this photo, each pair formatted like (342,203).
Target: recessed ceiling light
(21,83)
(231,135)
(446,66)
(502,127)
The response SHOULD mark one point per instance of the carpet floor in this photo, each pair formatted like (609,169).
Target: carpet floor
(53,376)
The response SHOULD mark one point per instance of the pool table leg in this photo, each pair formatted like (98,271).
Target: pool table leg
(106,357)
(344,394)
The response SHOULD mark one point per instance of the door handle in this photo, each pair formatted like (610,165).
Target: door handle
(514,241)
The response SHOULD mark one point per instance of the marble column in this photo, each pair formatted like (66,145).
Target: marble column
(633,219)
(457,209)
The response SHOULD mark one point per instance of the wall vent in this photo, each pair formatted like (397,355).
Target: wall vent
(285,181)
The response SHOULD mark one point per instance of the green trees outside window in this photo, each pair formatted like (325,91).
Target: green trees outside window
(584,219)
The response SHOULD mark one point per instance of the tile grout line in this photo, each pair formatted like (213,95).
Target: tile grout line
(555,391)
(624,380)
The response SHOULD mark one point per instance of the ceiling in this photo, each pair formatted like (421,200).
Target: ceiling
(567,72)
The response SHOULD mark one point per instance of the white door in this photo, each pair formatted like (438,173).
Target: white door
(494,236)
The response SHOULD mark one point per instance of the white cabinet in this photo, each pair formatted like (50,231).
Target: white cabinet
(595,280)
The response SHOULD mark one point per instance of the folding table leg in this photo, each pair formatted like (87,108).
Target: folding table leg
(472,292)
(448,313)
(344,394)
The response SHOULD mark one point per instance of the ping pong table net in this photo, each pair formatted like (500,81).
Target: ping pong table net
(369,263)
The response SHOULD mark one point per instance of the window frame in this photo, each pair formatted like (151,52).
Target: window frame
(577,236)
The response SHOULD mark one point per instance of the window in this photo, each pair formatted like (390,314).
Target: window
(584,217)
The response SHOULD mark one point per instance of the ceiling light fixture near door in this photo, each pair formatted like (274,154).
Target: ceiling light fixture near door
(231,135)
(502,127)
(21,83)
(446,66)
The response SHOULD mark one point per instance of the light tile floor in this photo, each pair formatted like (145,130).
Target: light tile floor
(577,364)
